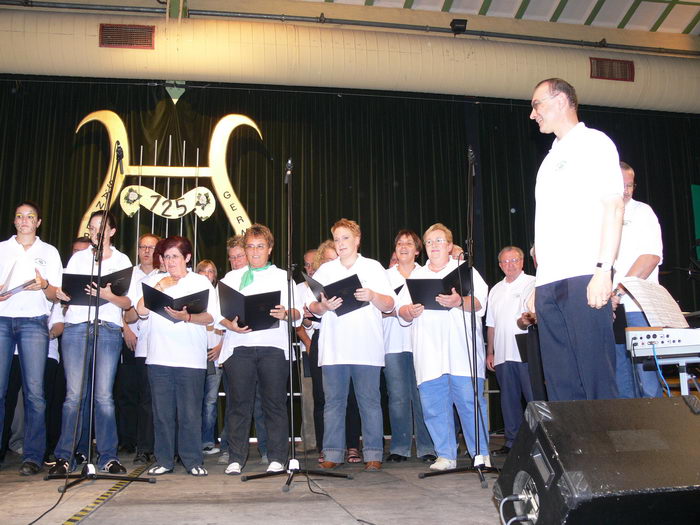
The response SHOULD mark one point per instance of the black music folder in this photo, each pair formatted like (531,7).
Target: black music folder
(344,288)
(424,291)
(252,311)
(74,285)
(156,301)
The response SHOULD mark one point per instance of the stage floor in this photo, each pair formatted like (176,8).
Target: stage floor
(394,495)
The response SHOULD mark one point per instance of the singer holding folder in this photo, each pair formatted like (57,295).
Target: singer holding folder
(30,271)
(78,328)
(442,356)
(351,346)
(177,359)
(259,356)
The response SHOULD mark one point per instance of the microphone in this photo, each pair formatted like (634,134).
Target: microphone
(288,170)
(120,156)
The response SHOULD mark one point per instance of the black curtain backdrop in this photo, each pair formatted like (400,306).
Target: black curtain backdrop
(387,160)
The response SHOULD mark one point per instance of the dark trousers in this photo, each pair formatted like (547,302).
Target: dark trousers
(55,393)
(247,367)
(514,382)
(126,397)
(576,342)
(534,364)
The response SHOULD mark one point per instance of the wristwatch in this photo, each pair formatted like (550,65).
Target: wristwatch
(605,266)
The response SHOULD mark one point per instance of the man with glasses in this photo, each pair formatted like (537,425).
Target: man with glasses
(578,222)
(641,251)
(134,412)
(502,355)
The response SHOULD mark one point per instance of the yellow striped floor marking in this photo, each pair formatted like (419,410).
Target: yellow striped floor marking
(104,497)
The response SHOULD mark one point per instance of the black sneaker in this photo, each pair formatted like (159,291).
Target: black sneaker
(29,468)
(61,468)
(114,467)
(503,451)
(428,458)
(80,458)
(50,460)
(141,458)
(397,458)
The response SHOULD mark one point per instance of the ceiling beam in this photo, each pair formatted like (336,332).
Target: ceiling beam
(689,28)
(558,10)
(594,12)
(408,4)
(629,14)
(521,10)
(667,10)
(447,6)
(485,5)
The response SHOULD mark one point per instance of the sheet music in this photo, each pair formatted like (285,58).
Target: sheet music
(656,303)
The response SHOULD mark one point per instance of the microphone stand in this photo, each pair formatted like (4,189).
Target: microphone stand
(89,471)
(479,467)
(293,463)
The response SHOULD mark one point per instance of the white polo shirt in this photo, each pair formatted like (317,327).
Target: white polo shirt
(641,234)
(179,344)
(268,280)
(439,337)
(23,263)
(504,309)
(576,175)
(140,327)
(83,263)
(397,333)
(356,338)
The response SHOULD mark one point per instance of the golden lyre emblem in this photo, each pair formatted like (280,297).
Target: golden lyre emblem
(199,199)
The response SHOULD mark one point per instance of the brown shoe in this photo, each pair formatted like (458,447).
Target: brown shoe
(328,465)
(373,466)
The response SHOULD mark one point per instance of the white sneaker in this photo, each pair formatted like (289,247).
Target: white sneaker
(275,466)
(233,469)
(264,460)
(444,464)
(482,461)
(223,459)
(208,451)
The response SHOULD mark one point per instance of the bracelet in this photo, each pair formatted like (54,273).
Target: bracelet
(47,285)
(189,317)
(618,293)
(142,317)
(130,308)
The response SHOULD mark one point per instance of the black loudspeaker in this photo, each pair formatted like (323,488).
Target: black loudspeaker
(611,461)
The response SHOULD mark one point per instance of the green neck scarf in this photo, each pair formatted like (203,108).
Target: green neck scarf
(248,275)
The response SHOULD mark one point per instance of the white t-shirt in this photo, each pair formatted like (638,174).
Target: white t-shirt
(397,334)
(439,338)
(179,344)
(504,309)
(578,173)
(140,327)
(355,338)
(23,263)
(641,235)
(268,280)
(55,317)
(231,338)
(83,263)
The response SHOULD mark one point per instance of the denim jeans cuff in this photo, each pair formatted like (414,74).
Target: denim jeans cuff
(372,454)
(336,455)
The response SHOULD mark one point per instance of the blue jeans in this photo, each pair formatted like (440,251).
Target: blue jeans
(78,370)
(336,384)
(31,335)
(626,379)
(405,410)
(211,397)
(514,382)
(177,393)
(438,396)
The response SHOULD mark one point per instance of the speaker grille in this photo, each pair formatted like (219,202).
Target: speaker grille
(127,36)
(612,69)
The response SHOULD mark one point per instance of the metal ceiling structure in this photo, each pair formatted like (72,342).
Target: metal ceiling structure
(664,16)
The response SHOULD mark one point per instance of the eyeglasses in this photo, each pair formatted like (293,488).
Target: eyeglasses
(170,257)
(430,242)
(236,257)
(255,246)
(405,243)
(630,186)
(508,261)
(146,248)
(536,103)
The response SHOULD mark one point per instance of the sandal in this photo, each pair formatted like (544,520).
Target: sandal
(198,471)
(159,470)
(353,456)
(321,458)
